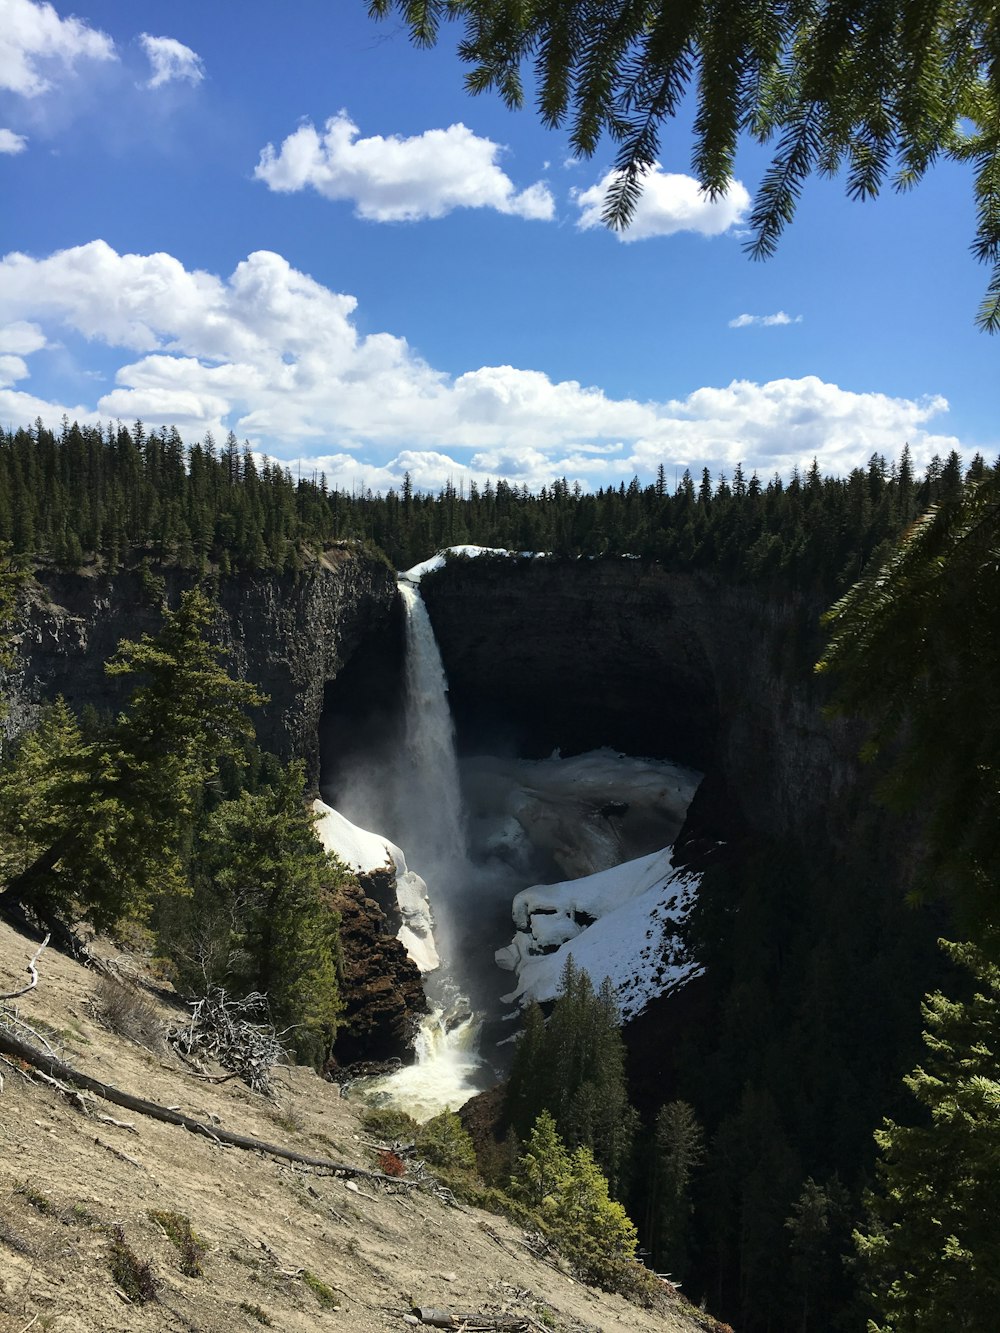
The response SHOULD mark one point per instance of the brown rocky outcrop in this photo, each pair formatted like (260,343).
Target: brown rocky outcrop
(381,988)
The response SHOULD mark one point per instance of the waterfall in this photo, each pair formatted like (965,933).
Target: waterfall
(431,829)
(431,832)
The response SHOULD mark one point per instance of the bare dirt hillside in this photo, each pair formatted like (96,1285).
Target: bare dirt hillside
(285,1247)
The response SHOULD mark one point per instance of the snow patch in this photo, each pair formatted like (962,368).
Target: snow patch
(635,910)
(436,562)
(363,852)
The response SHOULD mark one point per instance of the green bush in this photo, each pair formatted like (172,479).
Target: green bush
(386,1122)
(567,1195)
(444,1141)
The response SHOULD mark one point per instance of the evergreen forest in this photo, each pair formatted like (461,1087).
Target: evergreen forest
(118,495)
(783,1170)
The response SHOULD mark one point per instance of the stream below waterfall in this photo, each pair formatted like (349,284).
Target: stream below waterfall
(564,842)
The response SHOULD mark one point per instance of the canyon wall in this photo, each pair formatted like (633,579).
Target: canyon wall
(682,666)
(289,634)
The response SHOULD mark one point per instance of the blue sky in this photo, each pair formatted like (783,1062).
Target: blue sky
(285,221)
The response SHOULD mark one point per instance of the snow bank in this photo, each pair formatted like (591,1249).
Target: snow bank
(364,852)
(415,574)
(620,923)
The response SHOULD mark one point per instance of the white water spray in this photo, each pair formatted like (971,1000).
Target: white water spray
(432,834)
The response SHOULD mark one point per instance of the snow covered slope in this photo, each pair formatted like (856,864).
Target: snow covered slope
(619,923)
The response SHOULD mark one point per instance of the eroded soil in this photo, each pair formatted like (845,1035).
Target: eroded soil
(285,1247)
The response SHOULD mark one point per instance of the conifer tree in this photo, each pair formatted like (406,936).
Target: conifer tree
(265,899)
(678,1149)
(568,1195)
(877,91)
(574,1067)
(123,802)
(9,582)
(914,649)
(933,1248)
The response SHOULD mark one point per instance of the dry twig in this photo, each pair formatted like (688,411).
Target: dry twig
(32,972)
(231,1032)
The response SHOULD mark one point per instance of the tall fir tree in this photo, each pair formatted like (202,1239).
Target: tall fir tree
(932,1250)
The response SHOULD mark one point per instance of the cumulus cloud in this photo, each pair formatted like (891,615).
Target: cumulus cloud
(171,61)
(276,356)
(12,143)
(34,40)
(21,338)
(764,321)
(392,179)
(669,203)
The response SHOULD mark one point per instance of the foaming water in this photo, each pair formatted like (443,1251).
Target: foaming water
(446,1072)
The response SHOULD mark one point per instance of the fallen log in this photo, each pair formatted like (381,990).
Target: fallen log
(22,1050)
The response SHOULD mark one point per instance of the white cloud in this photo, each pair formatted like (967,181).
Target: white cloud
(11,142)
(392,179)
(669,203)
(21,338)
(33,38)
(171,61)
(276,356)
(764,321)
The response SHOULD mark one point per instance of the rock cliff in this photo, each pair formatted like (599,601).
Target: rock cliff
(381,988)
(290,635)
(680,666)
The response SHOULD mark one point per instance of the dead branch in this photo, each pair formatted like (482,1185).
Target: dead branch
(13,1019)
(231,1032)
(32,972)
(119,1124)
(10,1045)
(117,1152)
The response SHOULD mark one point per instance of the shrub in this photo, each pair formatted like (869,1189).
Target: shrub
(389,1164)
(133,1275)
(190,1246)
(324,1294)
(125,1010)
(385,1122)
(444,1141)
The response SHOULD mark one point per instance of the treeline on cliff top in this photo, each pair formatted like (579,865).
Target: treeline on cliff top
(118,494)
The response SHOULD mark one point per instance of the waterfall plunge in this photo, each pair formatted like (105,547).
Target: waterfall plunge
(432,835)
(431,830)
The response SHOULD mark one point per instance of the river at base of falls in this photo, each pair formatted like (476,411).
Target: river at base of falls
(447,1070)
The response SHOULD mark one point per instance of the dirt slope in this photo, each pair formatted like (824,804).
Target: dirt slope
(271,1230)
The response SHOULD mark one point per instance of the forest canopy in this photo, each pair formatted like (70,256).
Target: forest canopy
(121,495)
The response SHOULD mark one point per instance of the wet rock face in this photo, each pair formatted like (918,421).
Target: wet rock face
(681,666)
(287,634)
(381,988)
